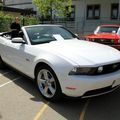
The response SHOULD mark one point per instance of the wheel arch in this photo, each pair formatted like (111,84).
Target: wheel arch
(41,64)
(45,65)
(38,65)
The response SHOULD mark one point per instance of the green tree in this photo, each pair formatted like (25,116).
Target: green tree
(53,7)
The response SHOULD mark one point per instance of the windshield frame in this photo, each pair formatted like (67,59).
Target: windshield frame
(111,29)
(60,28)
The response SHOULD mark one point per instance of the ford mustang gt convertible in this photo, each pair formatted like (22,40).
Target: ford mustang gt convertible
(60,63)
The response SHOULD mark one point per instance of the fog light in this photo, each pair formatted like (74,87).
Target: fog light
(100,69)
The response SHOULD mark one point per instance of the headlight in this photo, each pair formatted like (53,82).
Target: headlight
(112,41)
(119,40)
(83,71)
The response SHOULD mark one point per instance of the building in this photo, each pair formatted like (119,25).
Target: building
(21,4)
(18,7)
(87,14)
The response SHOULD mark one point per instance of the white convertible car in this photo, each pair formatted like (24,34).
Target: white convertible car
(60,63)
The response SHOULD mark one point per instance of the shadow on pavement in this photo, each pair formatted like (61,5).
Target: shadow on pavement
(105,107)
(69,108)
(0,116)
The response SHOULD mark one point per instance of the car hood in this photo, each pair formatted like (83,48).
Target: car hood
(82,52)
(103,35)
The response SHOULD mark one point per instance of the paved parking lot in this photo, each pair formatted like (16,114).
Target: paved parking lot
(20,100)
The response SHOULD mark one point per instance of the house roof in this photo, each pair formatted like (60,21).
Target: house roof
(22,11)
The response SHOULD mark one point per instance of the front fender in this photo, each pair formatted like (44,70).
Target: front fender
(60,66)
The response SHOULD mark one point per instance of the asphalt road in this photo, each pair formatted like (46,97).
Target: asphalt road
(20,100)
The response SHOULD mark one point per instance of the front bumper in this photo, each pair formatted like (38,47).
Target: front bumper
(76,86)
(101,91)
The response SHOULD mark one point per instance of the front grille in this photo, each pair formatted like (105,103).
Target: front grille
(110,68)
(105,69)
(104,41)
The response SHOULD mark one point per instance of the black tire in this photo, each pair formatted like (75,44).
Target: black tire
(2,65)
(48,85)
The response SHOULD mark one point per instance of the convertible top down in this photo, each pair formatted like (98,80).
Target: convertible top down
(60,63)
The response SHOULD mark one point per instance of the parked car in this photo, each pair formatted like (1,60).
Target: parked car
(106,34)
(59,63)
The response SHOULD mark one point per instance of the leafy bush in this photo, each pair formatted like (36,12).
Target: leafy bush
(6,20)
(29,21)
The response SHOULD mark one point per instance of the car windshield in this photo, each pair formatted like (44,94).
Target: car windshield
(46,34)
(108,29)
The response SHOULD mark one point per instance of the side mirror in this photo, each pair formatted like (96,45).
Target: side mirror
(76,34)
(18,40)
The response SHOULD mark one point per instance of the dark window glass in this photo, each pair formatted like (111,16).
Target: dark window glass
(108,29)
(114,11)
(93,11)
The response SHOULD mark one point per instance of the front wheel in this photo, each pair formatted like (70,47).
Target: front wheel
(48,84)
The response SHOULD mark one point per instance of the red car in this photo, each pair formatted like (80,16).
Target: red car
(106,34)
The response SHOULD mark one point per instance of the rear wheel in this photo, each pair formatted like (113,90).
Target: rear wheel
(48,84)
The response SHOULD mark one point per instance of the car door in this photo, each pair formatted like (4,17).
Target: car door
(14,53)
(18,56)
